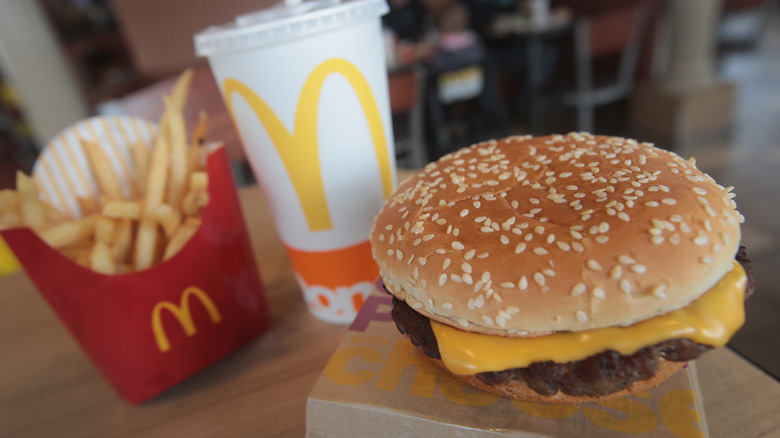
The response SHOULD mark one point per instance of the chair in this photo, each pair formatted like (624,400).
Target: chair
(407,92)
(616,32)
(463,97)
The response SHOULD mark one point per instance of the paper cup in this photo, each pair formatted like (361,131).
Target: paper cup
(306,85)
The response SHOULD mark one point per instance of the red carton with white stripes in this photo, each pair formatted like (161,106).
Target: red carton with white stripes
(149,330)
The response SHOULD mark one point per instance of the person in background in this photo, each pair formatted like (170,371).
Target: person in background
(457,45)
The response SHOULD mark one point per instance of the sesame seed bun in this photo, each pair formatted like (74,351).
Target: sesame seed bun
(530,235)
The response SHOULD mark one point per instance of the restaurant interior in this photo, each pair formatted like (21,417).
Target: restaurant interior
(698,78)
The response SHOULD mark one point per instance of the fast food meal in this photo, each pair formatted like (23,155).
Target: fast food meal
(563,269)
(117,235)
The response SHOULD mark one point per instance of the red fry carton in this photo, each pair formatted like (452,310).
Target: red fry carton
(149,330)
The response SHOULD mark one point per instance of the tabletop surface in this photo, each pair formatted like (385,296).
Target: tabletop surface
(48,388)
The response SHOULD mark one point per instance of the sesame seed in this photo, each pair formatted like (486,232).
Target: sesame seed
(659,291)
(602,239)
(488,320)
(563,245)
(467,278)
(469,254)
(669,201)
(522,284)
(457,245)
(699,191)
(520,248)
(582,316)
(466,267)
(464,212)
(507,285)
(540,251)
(422,260)
(578,247)
(701,240)
(625,286)
(626,260)
(390,252)
(639,269)
(593,264)
(442,279)
(707,260)
(599,293)
(446,264)
(623,216)
(578,289)
(616,272)
(540,279)
(504,240)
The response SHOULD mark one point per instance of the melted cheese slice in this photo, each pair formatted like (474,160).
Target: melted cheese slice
(710,320)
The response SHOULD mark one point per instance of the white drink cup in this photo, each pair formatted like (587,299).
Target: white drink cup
(306,85)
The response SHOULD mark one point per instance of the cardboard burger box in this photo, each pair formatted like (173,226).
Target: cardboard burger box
(378,384)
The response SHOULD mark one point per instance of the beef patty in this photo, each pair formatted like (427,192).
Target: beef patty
(600,374)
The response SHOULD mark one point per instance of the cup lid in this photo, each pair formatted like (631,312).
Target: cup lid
(285,21)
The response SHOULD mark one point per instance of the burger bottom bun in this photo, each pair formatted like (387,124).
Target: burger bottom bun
(518,390)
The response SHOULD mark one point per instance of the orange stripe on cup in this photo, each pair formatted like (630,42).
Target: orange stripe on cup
(336,268)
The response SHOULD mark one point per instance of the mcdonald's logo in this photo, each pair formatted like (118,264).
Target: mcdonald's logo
(182,314)
(299,150)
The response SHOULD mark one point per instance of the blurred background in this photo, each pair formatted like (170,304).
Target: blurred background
(696,77)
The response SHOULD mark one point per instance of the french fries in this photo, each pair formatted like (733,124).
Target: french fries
(30,206)
(101,168)
(115,234)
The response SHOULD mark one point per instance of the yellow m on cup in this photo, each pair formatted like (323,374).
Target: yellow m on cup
(299,150)
(182,314)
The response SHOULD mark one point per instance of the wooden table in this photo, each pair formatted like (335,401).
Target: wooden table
(49,389)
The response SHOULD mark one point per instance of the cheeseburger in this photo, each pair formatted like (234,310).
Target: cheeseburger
(563,269)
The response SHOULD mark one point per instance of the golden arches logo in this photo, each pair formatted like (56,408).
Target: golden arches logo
(299,150)
(182,314)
